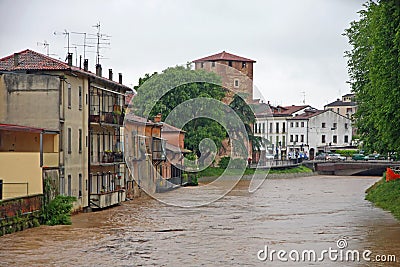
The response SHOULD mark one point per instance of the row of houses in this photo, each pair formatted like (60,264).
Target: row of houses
(289,131)
(65,123)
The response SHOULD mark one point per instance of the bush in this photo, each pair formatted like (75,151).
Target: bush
(223,163)
(58,211)
(347,153)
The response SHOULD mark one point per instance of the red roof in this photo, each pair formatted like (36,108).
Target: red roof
(224,56)
(288,110)
(169,128)
(31,60)
(19,128)
(308,114)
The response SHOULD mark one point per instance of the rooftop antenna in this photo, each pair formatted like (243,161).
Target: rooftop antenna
(66,33)
(46,45)
(304,97)
(84,42)
(100,37)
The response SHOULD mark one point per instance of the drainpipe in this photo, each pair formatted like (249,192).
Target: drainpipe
(41,149)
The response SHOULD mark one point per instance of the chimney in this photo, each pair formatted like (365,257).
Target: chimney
(86,64)
(120,78)
(98,70)
(69,57)
(157,118)
(110,74)
(16,59)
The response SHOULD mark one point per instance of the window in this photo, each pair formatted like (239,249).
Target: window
(334,139)
(80,97)
(283,141)
(213,64)
(283,127)
(69,185)
(86,185)
(277,127)
(338,110)
(255,127)
(323,139)
(291,138)
(335,125)
(69,96)
(277,140)
(69,141)
(263,127)
(230,63)
(236,83)
(346,126)
(323,125)
(302,138)
(243,65)
(80,141)
(202,65)
(297,124)
(291,124)
(346,138)
(296,138)
(302,124)
(80,185)
(270,127)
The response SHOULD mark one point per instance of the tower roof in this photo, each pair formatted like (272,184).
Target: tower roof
(224,56)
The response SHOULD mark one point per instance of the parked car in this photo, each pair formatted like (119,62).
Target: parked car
(372,157)
(358,157)
(335,157)
(321,156)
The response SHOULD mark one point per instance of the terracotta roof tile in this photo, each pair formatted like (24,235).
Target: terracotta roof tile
(224,56)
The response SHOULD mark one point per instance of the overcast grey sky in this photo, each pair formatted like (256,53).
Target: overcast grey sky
(298,44)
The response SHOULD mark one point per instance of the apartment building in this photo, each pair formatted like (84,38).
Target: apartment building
(86,110)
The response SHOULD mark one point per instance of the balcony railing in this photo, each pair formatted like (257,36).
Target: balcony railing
(107,157)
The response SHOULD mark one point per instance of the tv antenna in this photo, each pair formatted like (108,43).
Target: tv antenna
(46,45)
(101,38)
(304,97)
(66,33)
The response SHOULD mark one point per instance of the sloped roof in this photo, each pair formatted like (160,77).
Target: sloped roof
(31,60)
(289,110)
(340,103)
(169,128)
(20,128)
(308,114)
(224,56)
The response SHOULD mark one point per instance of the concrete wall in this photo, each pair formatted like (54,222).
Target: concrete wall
(29,100)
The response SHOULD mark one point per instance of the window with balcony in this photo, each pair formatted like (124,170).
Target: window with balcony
(159,152)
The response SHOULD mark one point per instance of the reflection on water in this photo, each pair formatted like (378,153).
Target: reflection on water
(301,213)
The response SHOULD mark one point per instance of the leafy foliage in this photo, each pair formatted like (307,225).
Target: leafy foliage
(58,211)
(374,70)
(173,87)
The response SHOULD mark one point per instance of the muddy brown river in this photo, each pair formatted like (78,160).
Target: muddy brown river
(291,215)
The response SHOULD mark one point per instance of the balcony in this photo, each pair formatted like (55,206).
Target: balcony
(159,152)
(106,190)
(107,157)
(107,117)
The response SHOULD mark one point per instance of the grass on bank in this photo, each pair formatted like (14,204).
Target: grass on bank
(385,195)
(216,171)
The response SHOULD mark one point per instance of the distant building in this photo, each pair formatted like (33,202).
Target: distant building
(345,107)
(272,125)
(86,110)
(318,131)
(236,73)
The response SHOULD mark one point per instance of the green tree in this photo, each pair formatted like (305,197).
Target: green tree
(162,93)
(246,114)
(374,70)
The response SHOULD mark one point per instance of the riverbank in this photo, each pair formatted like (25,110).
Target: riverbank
(385,195)
(212,174)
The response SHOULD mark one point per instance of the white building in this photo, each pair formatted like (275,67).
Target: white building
(272,125)
(318,131)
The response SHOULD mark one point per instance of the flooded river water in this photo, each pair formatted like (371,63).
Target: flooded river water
(310,213)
